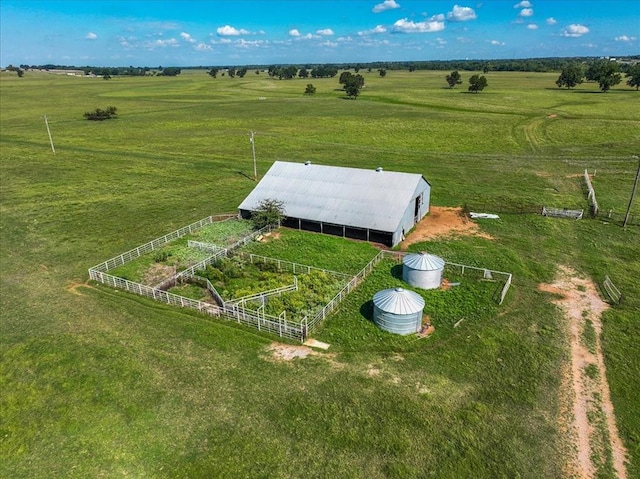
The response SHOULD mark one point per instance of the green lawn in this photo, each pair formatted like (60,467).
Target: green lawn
(99,383)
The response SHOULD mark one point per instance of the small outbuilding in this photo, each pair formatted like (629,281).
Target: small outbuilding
(398,310)
(373,205)
(423,270)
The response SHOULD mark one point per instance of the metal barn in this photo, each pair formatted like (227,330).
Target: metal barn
(373,205)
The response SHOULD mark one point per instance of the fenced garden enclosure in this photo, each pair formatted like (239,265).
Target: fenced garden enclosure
(281,297)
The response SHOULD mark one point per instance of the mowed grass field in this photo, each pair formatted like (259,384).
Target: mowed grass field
(98,383)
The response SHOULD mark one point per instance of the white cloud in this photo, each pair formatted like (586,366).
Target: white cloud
(407,26)
(386,5)
(551,21)
(575,31)
(187,38)
(229,31)
(523,4)
(497,43)
(532,26)
(203,47)
(526,12)
(377,29)
(242,43)
(624,38)
(325,32)
(294,32)
(461,14)
(90,36)
(308,36)
(169,42)
(329,44)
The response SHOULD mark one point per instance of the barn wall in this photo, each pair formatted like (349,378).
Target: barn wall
(408,218)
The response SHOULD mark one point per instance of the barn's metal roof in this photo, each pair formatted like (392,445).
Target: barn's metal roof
(423,262)
(372,199)
(398,301)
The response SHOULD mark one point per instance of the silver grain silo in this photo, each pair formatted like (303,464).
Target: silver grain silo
(398,310)
(423,270)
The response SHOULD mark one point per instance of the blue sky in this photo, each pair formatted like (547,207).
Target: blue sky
(242,32)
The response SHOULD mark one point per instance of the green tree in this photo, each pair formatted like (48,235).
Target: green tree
(609,80)
(310,89)
(607,74)
(633,75)
(213,72)
(171,71)
(344,77)
(231,72)
(453,79)
(242,72)
(383,72)
(570,76)
(303,73)
(477,83)
(268,212)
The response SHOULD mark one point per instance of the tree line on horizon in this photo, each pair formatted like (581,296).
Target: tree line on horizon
(325,70)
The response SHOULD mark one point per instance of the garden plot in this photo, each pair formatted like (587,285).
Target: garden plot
(160,265)
(266,285)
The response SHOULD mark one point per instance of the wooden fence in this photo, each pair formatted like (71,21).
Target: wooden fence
(615,295)
(591,194)
(562,213)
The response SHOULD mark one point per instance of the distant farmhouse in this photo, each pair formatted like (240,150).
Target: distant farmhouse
(373,205)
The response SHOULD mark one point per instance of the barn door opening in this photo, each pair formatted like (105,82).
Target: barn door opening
(416,213)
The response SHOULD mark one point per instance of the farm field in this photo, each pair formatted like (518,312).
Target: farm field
(96,382)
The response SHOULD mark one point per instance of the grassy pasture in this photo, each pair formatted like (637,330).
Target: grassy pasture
(96,382)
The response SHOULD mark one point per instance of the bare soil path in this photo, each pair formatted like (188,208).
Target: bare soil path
(442,222)
(588,409)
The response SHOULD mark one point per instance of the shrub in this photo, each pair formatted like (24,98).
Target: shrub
(99,115)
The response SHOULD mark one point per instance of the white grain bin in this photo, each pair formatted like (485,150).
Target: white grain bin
(423,270)
(398,310)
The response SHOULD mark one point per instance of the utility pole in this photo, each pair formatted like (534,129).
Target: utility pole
(633,193)
(50,137)
(253,149)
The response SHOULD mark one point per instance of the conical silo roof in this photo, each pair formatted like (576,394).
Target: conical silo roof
(398,301)
(423,262)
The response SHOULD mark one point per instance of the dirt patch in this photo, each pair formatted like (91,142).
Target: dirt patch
(585,397)
(443,222)
(73,288)
(273,235)
(157,273)
(287,352)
